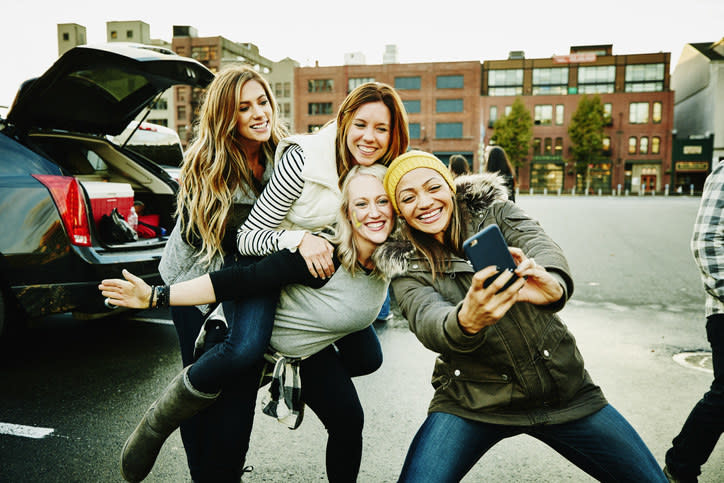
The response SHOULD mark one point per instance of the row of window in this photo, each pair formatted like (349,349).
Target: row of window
(641,145)
(441,105)
(548,114)
(554,147)
(599,79)
(282,89)
(401,83)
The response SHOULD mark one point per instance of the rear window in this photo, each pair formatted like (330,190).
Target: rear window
(116,82)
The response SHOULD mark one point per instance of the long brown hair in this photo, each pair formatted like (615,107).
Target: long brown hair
(399,129)
(215,165)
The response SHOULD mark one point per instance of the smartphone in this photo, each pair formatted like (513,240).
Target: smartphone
(488,247)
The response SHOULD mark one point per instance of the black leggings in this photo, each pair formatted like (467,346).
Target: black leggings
(327,389)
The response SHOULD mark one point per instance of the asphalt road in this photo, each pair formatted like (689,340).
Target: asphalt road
(638,302)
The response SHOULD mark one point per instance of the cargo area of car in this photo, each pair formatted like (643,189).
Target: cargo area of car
(111,178)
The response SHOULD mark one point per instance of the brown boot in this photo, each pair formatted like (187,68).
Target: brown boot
(179,401)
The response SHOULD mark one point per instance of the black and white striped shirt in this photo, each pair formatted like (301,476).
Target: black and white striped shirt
(259,235)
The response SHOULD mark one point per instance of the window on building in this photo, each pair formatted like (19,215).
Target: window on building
(66,36)
(449,105)
(286,109)
(287,89)
(320,85)
(449,130)
(181,113)
(203,53)
(505,82)
(114,34)
(536,145)
(655,145)
(598,79)
(608,113)
(182,131)
(548,146)
(560,111)
(656,109)
(644,78)
(638,113)
(407,83)
(632,142)
(644,145)
(412,107)
(354,82)
(507,110)
(450,82)
(558,147)
(493,116)
(278,89)
(543,114)
(160,104)
(160,122)
(606,144)
(550,81)
(319,108)
(179,50)
(314,127)
(414,130)
(129,34)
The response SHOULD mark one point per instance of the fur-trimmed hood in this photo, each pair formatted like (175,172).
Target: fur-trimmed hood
(474,193)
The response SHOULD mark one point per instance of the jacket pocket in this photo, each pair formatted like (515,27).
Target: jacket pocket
(561,357)
(474,386)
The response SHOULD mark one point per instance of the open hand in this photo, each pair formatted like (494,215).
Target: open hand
(132,292)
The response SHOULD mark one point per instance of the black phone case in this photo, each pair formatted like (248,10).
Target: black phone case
(488,247)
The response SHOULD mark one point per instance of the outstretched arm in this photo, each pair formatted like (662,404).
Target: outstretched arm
(233,281)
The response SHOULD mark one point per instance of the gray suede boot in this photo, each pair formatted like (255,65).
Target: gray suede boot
(179,401)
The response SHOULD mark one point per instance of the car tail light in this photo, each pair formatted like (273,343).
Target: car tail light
(68,198)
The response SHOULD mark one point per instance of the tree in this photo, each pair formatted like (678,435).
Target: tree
(514,132)
(586,133)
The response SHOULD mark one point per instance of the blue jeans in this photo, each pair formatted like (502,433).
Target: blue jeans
(327,389)
(250,324)
(701,431)
(216,440)
(603,445)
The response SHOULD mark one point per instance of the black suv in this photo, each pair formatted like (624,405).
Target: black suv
(56,154)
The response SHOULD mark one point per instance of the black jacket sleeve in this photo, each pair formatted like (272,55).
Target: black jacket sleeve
(270,273)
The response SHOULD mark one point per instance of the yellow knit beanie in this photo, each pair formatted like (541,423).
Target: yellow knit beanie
(408,161)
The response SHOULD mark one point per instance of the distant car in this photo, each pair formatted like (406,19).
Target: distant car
(60,173)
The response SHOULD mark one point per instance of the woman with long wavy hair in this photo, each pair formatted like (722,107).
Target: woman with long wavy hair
(225,169)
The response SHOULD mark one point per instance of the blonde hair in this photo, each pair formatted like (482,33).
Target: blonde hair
(399,129)
(215,165)
(343,238)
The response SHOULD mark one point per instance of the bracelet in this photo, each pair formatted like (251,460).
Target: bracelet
(150,299)
(163,295)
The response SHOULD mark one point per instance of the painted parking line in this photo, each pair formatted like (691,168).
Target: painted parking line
(152,320)
(25,431)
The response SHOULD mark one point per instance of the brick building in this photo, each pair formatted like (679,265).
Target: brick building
(635,91)
(442,100)
(452,107)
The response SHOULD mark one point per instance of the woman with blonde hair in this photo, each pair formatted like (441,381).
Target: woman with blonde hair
(307,320)
(225,168)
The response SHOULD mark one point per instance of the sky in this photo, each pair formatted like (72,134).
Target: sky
(324,30)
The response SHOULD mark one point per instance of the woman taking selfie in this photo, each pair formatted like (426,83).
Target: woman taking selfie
(507,365)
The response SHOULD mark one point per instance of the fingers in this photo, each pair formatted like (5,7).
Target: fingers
(132,278)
